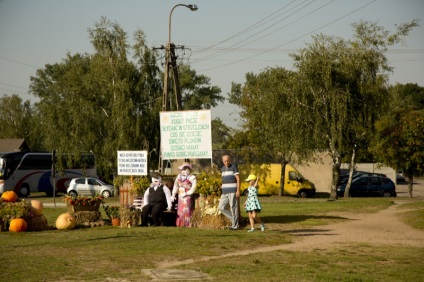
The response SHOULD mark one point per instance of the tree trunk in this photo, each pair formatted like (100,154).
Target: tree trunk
(282,178)
(410,185)
(351,166)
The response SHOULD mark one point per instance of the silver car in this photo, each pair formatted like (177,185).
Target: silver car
(89,186)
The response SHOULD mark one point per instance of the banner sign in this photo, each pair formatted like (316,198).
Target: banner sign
(186,135)
(132,163)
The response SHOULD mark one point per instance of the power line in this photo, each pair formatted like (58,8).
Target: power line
(7,84)
(17,62)
(315,30)
(243,31)
(272,25)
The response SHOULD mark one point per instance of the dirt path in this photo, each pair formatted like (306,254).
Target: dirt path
(380,228)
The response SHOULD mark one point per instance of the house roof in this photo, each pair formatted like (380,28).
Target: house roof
(13,145)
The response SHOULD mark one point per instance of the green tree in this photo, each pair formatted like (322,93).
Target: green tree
(400,132)
(15,117)
(105,102)
(220,134)
(271,121)
(196,91)
(341,86)
(100,102)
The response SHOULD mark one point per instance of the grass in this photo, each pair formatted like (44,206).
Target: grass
(107,253)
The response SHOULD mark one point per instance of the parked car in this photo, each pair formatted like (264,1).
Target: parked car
(369,186)
(344,177)
(89,186)
(400,178)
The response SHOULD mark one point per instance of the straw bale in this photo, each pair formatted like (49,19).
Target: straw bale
(36,223)
(88,218)
(130,217)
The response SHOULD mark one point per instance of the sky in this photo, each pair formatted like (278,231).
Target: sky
(223,39)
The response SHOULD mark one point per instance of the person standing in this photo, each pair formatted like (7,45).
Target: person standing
(184,187)
(230,191)
(156,200)
(252,204)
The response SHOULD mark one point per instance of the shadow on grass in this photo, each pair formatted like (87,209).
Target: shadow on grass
(300,218)
(307,232)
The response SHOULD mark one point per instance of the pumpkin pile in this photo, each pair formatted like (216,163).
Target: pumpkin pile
(19,215)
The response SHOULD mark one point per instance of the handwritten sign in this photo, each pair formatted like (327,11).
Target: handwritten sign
(132,162)
(186,135)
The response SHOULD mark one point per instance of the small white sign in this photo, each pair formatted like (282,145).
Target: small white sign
(186,135)
(132,162)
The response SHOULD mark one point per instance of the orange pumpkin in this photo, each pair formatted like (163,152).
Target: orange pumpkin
(18,225)
(9,196)
(66,221)
(37,207)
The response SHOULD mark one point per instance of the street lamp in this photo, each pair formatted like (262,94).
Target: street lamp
(168,54)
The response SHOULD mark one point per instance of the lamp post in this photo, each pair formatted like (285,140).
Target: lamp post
(168,55)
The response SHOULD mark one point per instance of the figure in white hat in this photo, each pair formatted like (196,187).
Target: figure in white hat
(156,200)
(184,187)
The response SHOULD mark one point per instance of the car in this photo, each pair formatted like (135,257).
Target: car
(400,178)
(89,186)
(356,173)
(369,186)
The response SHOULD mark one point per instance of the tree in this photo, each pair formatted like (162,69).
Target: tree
(271,127)
(400,132)
(15,117)
(101,102)
(220,134)
(197,93)
(341,86)
(105,102)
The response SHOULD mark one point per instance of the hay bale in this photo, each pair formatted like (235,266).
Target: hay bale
(37,223)
(130,217)
(209,221)
(88,218)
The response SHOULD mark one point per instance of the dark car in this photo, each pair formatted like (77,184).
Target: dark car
(344,177)
(400,178)
(369,186)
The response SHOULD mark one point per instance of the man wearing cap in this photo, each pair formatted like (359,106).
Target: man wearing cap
(184,186)
(230,191)
(156,200)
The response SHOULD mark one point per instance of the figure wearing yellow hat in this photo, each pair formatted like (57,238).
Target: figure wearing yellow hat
(252,204)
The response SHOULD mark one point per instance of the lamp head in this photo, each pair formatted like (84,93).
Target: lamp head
(192,7)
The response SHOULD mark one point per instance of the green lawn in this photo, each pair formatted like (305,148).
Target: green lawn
(108,253)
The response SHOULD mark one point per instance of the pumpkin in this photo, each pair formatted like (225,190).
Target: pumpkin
(9,196)
(18,225)
(37,207)
(66,221)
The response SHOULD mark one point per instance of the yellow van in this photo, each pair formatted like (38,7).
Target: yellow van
(270,179)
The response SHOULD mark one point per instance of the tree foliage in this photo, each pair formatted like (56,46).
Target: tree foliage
(105,102)
(15,117)
(328,104)
(399,140)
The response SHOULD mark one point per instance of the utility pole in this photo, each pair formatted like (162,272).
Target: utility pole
(171,62)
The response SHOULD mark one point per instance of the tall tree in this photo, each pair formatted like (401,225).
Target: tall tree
(400,132)
(197,92)
(98,102)
(105,102)
(15,117)
(341,86)
(271,120)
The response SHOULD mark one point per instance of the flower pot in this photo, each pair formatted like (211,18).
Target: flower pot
(116,221)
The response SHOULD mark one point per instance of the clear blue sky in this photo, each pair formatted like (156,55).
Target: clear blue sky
(226,39)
